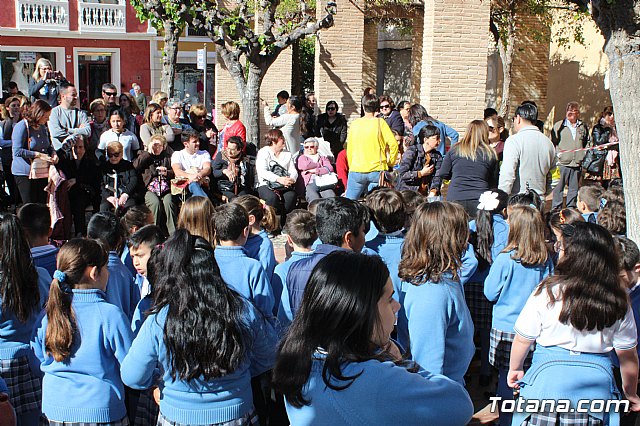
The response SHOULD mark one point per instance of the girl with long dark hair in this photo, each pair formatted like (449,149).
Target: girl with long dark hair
(337,364)
(81,342)
(577,317)
(208,339)
(23,290)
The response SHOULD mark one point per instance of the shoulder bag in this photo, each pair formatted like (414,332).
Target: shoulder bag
(39,168)
(384,179)
(277,169)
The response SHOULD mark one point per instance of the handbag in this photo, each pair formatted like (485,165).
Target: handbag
(385,179)
(593,161)
(159,186)
(327,181)
(277,169)
(39,168)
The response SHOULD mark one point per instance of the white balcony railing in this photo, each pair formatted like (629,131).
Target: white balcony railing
(42,15)
(102,17)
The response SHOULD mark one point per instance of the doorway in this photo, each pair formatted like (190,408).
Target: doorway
(94,70)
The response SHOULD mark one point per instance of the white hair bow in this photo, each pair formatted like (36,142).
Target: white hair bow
(488,201)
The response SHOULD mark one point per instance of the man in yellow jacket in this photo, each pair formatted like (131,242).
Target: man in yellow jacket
(371,149)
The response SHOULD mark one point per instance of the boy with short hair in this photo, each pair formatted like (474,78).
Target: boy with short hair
(242,273)
(36,222)
(588,202)
(301,233)
(121,290)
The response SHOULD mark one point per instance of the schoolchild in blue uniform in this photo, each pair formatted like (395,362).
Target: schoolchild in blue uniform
(135,218)
(337,364)
(22,295)
(262,219)
(36,222)
(208,339)
(81,342)
(514,275)
(488,236)
(7,413)
(300,230)
(588,202)
(439,323)
(575,329)
(241,272)
(121,289)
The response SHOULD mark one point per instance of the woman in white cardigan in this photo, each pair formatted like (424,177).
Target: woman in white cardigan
(277,174)
(289,123)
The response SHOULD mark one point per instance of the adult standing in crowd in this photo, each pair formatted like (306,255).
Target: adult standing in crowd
(161,98)
(140,97)
(99,124)
(233,127)
(472,165)
(390,115)
(43,84)
(309,110)
(66,119)
(403,109)
(110,95)
(311,165)
(419,117)
(13,116)
(177,123)
(290,123)
(83,182)
(154,165)
(153,125)
(371,149)
(207,130)
(131,111)
(31,144)
(569,136)
(232,171)
(332,127)
(277,174)
(605,132)
(496,127)
(528,155)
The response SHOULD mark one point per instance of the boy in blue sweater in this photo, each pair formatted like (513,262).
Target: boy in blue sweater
(36,222)
(301,233)
(242,273)
(588,202)
(121,289)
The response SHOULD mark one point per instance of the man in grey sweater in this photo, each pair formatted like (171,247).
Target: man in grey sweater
(528,156)
(66,120)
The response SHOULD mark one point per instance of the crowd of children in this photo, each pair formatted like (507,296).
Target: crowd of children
(373,318)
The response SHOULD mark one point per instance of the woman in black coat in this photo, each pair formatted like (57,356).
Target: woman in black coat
(121,187)
(332,127)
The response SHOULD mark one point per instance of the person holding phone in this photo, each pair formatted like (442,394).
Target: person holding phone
(44,82)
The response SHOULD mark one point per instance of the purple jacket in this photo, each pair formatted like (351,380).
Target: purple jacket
(323,167)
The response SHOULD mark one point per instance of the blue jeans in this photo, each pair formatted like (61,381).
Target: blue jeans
(359,183)
(196,190)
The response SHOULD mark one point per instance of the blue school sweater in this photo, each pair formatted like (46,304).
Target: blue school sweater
(389,248)
(382,394)
(127,260)
(3,386)
(198,401)
(246,276)
(260,248)
(440,327)
(15,335)
(87,386)
(587,215)
(509,284)
(285,314)
(121,290)
(45,257)
(500,236)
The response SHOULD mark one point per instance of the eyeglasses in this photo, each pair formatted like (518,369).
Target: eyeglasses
(385,106)
(99,110)
(331,108)
(110,93)
(309,147)
(491,128)
(114,154)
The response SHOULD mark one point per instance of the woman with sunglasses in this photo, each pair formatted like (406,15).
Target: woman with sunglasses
(311,165)
(496,128)
(332,127)
(120,182)
(390,115)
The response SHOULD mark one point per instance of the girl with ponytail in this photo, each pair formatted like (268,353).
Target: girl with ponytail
(81,341)
(23,290)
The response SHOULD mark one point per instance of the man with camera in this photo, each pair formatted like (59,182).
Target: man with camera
(67,121)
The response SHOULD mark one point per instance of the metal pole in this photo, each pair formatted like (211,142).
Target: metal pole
(204,96)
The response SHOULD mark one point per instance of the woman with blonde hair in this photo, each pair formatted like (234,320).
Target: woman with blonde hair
(196,216)
(153,125)
(472,166)
(43,84)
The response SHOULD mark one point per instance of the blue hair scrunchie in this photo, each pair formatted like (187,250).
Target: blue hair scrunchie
(59,275)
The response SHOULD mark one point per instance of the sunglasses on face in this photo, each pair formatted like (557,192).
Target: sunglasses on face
(110,93)
(331,108)
(309,147)
(491,128)
(385,106)
(113,154)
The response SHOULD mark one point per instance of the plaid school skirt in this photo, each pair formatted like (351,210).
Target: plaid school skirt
(141,407)
(479,306)
(25,389)
(249,419)
(500,349)
(561,419)
(123,422)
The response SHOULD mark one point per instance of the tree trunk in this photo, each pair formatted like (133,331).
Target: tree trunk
(251,108)
(506,50)
(624,74)
(169,56)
